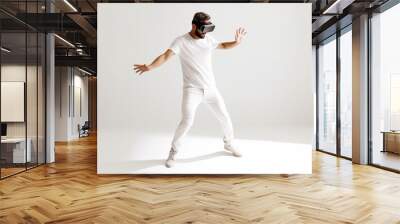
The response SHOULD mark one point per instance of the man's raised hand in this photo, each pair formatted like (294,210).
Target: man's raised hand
(240,33)
(141,68)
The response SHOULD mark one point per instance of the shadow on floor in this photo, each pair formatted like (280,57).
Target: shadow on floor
(136,165)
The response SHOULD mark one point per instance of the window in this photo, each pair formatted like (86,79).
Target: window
(327,96)
(346,93)
(385,89)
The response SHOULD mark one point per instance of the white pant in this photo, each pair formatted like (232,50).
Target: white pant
(191,99)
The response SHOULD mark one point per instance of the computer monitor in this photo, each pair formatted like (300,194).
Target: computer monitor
(3,129)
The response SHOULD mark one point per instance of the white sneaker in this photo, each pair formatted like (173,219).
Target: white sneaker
(171,158)
(232,149)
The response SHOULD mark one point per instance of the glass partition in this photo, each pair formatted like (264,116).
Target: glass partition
(346,93)
(41,107)
(14,155)
(32,96)
(22,101)
(385,89)
(327,96)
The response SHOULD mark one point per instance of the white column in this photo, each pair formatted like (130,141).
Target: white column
(360,90)
(50,110)
(50,92)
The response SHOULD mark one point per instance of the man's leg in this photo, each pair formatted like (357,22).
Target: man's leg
(191,99)
(217,105)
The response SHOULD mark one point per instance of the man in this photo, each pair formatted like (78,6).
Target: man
(194,50)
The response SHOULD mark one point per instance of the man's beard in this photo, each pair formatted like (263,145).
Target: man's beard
(199,34)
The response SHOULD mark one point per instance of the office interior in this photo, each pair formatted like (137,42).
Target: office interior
(48,86)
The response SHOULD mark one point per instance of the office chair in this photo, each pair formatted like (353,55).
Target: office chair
(84,130)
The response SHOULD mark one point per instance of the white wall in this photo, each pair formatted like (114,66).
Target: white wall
(80,83)
(266,82)
(61,103)
(15,73)
(12,73)
(69,79)
(33,127)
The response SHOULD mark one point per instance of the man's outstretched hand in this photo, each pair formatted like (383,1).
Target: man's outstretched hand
(240,33)
(141,68)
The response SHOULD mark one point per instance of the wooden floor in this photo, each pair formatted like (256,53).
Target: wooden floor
(5,172)
(387,159)
(70,191)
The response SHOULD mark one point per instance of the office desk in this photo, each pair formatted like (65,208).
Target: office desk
(13,150)
(391,141)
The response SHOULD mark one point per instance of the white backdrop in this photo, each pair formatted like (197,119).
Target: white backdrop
(266,81)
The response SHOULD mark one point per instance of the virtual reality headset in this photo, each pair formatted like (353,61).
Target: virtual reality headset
(204,27)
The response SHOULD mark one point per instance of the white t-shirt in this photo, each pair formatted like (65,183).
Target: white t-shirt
(195,57)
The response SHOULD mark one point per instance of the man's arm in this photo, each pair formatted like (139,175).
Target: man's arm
(140,68)
(240,33)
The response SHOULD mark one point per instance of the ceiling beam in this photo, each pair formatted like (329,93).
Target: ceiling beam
(85,61)
(85,25)
(337,6)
